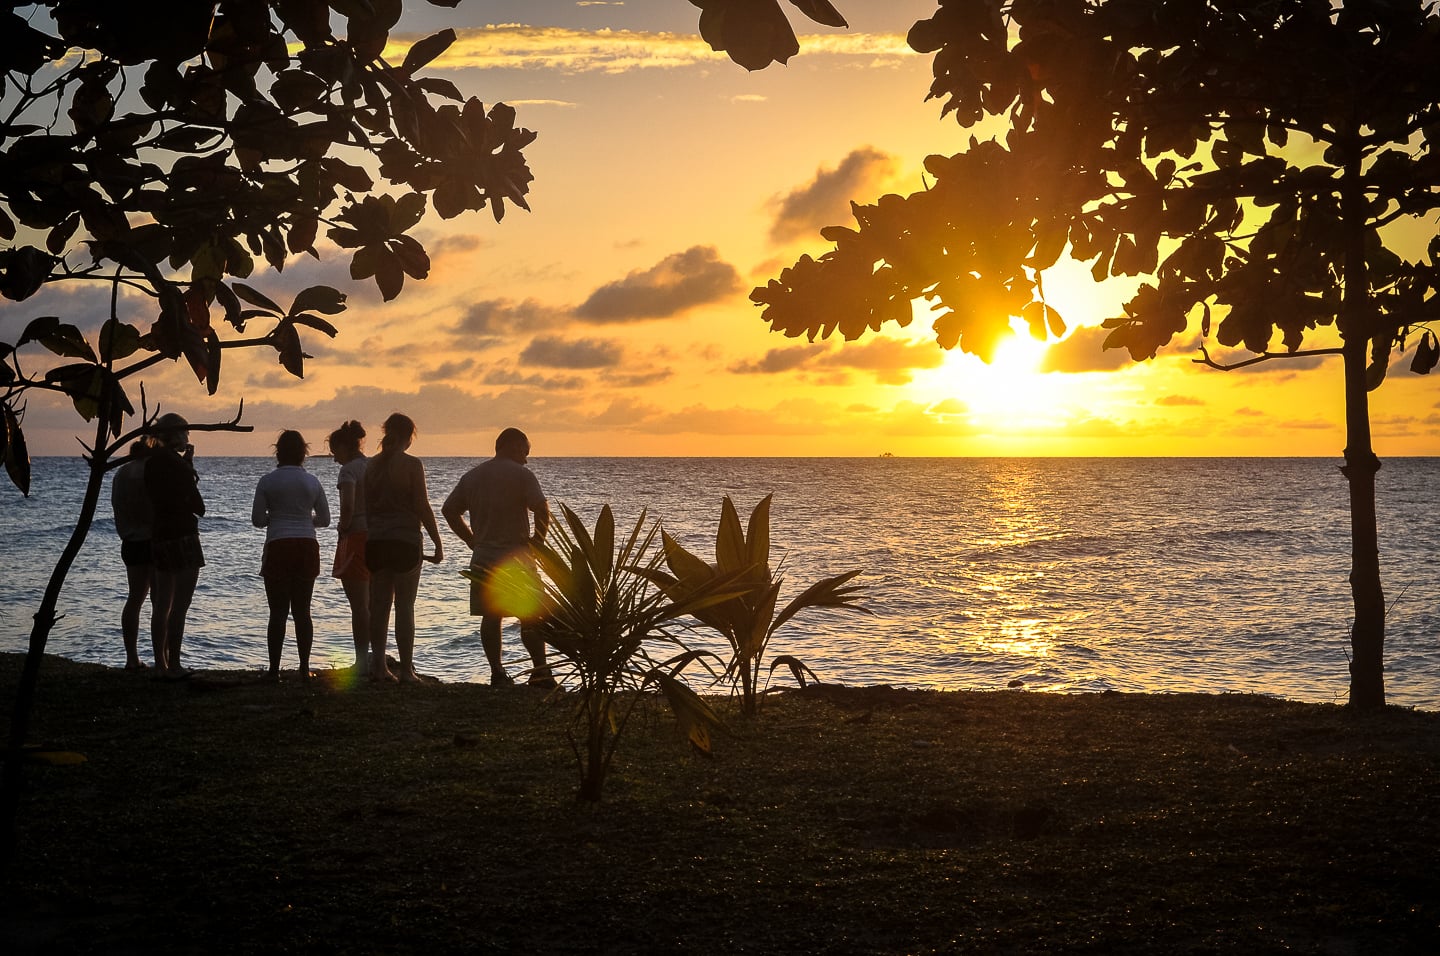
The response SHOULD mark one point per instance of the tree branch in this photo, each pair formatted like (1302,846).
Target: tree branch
(1207,361)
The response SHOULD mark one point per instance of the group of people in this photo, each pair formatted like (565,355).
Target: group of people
(497,509)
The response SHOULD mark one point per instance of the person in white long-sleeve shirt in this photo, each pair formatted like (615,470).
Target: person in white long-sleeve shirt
(290,505)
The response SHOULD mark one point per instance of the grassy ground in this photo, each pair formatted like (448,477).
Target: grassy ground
(225,815)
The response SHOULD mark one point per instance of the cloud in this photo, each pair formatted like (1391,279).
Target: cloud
(546,383)
(452,369)
(515,46)
(825,200)
(1176,401)
(502,317)
(892,360)
(556,352)
(778,360)
(676,283)
(1082,352)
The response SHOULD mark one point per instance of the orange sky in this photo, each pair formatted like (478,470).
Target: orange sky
(613,319)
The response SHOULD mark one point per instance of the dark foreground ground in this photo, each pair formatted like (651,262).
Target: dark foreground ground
(224,815)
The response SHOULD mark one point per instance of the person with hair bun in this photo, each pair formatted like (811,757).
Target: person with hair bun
(290,505)
(176,507)
(346,443)
(397,505)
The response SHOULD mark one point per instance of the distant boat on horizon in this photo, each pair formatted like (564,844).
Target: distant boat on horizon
(887,454)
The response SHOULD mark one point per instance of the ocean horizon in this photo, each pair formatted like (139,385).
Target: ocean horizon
(1157,575)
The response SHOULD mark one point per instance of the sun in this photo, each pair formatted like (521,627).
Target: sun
(1010,388)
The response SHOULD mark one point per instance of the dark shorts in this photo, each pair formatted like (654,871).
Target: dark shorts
(136,554)
(510,588)
(350,558)
(291,558)
(178,554)
(398,557)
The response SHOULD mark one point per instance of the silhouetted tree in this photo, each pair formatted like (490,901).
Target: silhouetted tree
(154,151)
(1245,155)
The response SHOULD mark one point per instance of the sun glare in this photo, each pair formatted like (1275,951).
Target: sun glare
(1010,387)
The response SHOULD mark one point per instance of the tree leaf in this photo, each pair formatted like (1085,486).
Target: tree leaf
(821,12)
(257,298)
(424,51)
(17,456)
(118,340)
(319,298)
(287,343)
(730,553)
(315,322)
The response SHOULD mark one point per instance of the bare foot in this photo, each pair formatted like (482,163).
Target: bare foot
(381,674)
(409,676)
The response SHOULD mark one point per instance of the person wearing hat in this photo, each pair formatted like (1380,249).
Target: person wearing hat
(176,507)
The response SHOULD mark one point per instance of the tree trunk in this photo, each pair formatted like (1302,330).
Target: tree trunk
(1367,634)
(12,778)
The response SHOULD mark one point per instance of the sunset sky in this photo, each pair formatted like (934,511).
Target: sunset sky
(613,319)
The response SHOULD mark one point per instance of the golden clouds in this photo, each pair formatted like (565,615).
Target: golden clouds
(517,46)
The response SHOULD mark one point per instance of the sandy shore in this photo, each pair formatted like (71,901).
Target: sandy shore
(227,815)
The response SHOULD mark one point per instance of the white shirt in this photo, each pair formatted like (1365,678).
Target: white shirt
(289,503)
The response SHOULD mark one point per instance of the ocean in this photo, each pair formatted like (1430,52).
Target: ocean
(1061,575)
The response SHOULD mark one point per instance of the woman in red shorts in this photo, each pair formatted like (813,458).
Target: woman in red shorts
(290,505)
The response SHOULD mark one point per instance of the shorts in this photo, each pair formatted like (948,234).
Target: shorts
(178,554)
(350,558)
(136,554)
(399,557)
(510,588)
(291,558)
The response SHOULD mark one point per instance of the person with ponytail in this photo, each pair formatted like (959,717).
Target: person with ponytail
(397,506)
(346,444)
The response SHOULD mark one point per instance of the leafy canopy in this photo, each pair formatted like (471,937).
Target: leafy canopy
(1245,155)
(163,149)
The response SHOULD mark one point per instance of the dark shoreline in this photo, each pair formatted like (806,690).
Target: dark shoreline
(226,814)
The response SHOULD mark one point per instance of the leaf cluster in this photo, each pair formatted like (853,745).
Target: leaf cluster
(1246,157)
(160,151)
(756,33)
(748,619)
(606,623)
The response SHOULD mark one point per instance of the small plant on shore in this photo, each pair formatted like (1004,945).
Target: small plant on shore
(607,621)
(747,620)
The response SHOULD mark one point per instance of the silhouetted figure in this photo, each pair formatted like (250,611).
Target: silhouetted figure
(345,447)
(176,507)
(290,505)
(397,504)
(499,496)
(131,506)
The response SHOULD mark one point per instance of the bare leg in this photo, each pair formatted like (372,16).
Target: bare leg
(301,591)
(138,578)
(382,594)
(277,596)
(532,636)
(357,592)
(407,585)
(185,581)
(162,596)
(490,641)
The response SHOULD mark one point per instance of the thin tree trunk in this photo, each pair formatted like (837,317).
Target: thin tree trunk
(1367,634)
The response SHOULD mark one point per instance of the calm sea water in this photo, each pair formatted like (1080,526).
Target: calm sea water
(1158,575)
